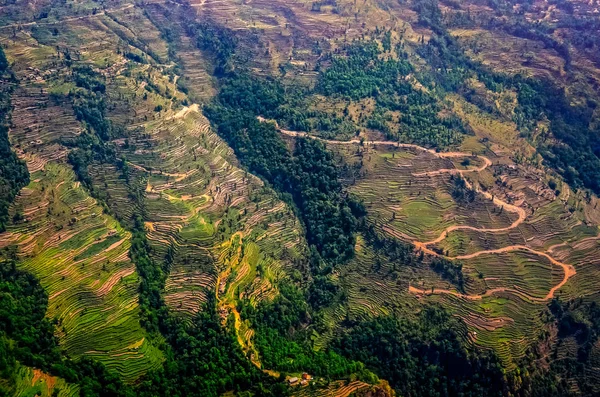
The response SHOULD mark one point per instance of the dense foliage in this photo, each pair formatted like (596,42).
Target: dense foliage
(283,339)
(423,357)
(203,358)
(461,193)
(308,175)
(575,150)
(368,72)
(13,171)
(88,101)
(580,321)
(25,333)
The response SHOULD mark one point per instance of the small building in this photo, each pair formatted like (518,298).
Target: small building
(293,381)
(306,376)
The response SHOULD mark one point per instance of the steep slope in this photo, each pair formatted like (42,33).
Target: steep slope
(465,136)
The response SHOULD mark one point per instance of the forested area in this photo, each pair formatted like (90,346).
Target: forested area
(283,338)
(424,356)
(578,320)
(366,71)
(308,175)
(24,331)
(13,171)
(203,358)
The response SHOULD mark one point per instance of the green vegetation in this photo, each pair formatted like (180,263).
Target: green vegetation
(204,358)
(368,72)
(201,357)
(90,108)
(460,191)
(423,357)
(308,175)
(25,333)
(166,269)
(283,339)
(27,337)
(577,320)
(13,172)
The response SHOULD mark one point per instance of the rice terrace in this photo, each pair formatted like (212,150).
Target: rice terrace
(366,198)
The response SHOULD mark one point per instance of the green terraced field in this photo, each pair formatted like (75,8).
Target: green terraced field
(33,382)
(80,256)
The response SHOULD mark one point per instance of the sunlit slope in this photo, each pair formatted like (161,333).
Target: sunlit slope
(514,248)
(211,220)
(63,236)
(33,382)
(80,256)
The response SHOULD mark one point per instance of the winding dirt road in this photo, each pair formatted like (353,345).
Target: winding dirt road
(568,270)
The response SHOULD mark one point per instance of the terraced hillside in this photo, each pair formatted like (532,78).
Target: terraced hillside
(498,235)
(222,230)
(35,382)
(464,136)
(521,214)
(81,257)
(65,238)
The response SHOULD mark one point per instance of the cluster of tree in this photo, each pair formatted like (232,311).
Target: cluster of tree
(13,171)
(24,329)
(89,105)
(213,38)
(425,356)
(577,320)
(460,191)
(308,176)
(204,358)
(283,339)
(364,72)
(450,271)
(402,253)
